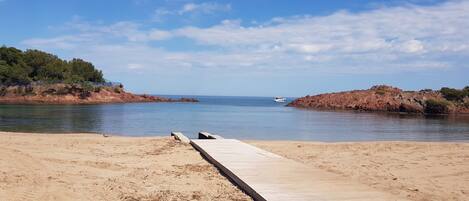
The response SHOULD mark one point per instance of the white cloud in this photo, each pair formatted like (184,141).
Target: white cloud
(61,42)
(413,46)
(205,8)
(161,13)
(156,34)
(389,39)
(134,66)
(190,9)
(400,29)
(309,48)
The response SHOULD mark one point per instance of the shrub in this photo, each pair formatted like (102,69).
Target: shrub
(452,94)
(62,91)
(29,90)
(87,87)
(97,89)
(73,79)
(19,90)
(3,91)
(466,91)
(433,106)
(117,90)
(49,91)
(426,90)
(380,92)
(466,104)
(85,94)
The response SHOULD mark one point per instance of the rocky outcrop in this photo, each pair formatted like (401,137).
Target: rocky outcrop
(74,94)
(378,98)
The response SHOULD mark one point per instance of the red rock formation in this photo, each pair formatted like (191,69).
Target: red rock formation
(74,94)
(377,98)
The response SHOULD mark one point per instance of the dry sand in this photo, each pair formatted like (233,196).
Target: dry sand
(416,170)
(92,167)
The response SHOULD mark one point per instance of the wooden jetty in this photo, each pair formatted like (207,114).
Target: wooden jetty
(267,176)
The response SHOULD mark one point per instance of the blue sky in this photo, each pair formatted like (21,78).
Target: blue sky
(252,48)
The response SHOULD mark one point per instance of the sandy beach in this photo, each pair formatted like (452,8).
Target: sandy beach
(413,170)
(92,167)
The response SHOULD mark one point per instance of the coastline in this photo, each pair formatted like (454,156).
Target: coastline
(155,99)
(75,94)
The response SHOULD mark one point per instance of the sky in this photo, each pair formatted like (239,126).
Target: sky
(251,47)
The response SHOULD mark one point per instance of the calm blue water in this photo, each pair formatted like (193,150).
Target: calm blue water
(236,117)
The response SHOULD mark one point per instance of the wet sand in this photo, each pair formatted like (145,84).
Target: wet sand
(93,167)
(413,170)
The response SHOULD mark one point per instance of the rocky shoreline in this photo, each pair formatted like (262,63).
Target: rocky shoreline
(383,98)
(75,94)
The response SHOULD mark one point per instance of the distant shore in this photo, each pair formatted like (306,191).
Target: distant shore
(94,167)
(75,94)
(382,98)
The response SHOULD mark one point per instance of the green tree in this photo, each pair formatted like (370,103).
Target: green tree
(85,70)
(11,55)
(4,72)
(13,74)
(36,60)
(14,68)
(53,72)
(18,67)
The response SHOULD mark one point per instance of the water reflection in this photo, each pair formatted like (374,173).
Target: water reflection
(48,118)
(236,117)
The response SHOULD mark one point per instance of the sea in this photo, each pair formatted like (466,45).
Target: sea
(246,118)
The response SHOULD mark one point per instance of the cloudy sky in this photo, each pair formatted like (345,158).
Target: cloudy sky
(252,48)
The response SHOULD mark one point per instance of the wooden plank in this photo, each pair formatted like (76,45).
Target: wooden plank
(267,176)
(209,136)
(181,137)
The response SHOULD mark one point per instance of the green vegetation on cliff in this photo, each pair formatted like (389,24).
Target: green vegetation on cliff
(452,98)
(457,95)
(23,67)
(433,106)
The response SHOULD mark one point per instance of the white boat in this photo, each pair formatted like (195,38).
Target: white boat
(280,99)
